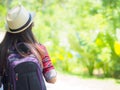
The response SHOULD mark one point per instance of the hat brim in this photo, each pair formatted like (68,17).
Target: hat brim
(32,18)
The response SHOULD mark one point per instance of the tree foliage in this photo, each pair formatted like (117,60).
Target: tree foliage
(81,35)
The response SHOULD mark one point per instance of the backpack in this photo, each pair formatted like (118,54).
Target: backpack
(23,73)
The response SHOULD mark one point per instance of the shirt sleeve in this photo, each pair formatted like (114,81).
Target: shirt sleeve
(48,69)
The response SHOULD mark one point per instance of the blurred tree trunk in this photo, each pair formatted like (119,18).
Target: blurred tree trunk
(8,4)
(43,5)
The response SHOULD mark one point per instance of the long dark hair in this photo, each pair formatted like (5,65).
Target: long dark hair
(11,39)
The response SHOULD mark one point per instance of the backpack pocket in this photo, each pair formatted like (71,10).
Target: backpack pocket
(27,77)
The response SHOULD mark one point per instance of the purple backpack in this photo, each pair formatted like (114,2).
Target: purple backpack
(24,73)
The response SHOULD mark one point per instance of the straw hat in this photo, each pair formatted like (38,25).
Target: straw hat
(18,19)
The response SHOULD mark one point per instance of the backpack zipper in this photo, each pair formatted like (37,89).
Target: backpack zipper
(16,76)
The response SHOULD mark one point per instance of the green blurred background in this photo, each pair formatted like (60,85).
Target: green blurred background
(82,36)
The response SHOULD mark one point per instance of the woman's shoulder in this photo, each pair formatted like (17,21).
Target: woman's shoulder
(42,46)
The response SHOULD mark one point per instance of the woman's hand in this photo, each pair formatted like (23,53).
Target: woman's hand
(52,80)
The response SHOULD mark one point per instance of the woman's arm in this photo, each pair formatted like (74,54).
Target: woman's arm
(49,71)
(50,76)
(52,80)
